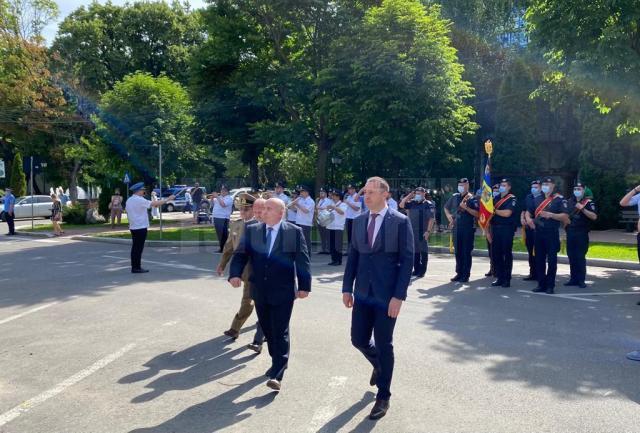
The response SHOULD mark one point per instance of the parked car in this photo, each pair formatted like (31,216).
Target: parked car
(23,208)
(179,202)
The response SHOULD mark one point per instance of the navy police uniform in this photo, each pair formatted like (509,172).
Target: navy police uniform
(463,233)
(530,234)
(502,231)
(578,240)
(419,214)
(547,239)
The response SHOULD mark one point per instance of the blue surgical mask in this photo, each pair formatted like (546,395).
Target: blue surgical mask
(460,189)
(578,193)
(496,194)
(502,189)
(418,197)
(546,189)
(535,190)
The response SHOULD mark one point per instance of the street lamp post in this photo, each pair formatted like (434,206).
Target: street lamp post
(160,182)
(44,175)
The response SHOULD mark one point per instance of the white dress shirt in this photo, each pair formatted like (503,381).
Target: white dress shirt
(305,219)
(338,220)
(351,214)
(137,215)
(379,219)
(220,211)
(392,203)
(274,235)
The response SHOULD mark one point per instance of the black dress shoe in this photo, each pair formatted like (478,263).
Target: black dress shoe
(550,291)
(419,275)
(374,377)
(139,271)
(539,290)
(582,285)
(456,278)
(506,284)
(496,283)
(464,280)
(489,274)
(380,409)
(255,347)
(232,333)
(570,283)
(529,278)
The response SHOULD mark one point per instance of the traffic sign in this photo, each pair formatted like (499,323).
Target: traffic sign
(126,178)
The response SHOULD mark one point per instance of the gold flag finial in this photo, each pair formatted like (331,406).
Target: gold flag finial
(488,147)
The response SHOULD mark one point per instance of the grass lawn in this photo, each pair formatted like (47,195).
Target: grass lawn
(597,250)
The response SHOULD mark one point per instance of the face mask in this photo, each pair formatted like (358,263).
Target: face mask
(496,194)
(502,190)
(460,189)
(578,193)
(535,190)
(546,189)
(418,197)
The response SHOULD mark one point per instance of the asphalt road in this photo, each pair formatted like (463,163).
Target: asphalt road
(88,347)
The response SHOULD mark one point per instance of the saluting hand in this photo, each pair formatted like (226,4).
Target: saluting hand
(235,282)
(394,307)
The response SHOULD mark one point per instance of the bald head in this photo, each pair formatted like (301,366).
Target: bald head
(258,208)
(273,212)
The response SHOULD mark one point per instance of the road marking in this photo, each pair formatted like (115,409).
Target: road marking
(33,310)
(571,296)
(41,398)
(169,265)
(327,410)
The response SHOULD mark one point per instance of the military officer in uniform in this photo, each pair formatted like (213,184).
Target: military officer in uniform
(503,228)
(528,229)
(548,212)
(421,213)
(244,203)
(582,211)
(492,270)
(461,211)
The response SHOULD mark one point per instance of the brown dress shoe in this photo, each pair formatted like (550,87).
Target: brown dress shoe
(232,333)
(274,384)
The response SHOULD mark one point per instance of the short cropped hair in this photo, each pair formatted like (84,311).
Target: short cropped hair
(384,185)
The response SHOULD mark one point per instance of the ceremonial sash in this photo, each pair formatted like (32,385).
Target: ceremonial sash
(464,200)
(544,205)
(503,200)
(584,202)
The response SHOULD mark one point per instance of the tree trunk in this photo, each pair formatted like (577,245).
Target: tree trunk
(253,172)
(323,156)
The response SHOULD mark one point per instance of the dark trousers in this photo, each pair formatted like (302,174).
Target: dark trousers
(324,239)
(638,239)
(138,237)
(420,261)
(502,252)
(348,227)
(306,231)
(463,240)
(530,241)
(222,230)
(274,321)
(577,247)
(10,222)
(492,265)
(370,318)
(258,337)
(335,245)
(547,246)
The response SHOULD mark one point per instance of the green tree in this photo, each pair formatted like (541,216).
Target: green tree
(18,180)
(596,44)
(142,112)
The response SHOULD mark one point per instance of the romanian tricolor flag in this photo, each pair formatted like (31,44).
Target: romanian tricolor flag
(486,200)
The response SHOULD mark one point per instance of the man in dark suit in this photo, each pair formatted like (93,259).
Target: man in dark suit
(278,254)
(380,262)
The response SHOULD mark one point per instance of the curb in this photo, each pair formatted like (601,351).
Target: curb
(600,263)
(118,241)
(34,234)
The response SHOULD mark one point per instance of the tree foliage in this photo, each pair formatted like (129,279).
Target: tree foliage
(18,180)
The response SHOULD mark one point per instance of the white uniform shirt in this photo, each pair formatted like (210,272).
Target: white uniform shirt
(324,202)
(291,214)
(338,220)
(284,198)
(351,214)
(302,218)
(137,215)
(222,212)
(392,203)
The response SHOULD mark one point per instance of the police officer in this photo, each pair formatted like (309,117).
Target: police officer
(503,228)
(492,269)
(421,213)
(461,211)
(582,210)
(244,203)
(548,212)
(528,229)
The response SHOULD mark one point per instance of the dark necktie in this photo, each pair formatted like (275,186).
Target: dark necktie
(371,229)
(268,240)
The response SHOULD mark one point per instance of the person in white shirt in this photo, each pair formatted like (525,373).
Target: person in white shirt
(354,206)
(321,204)
(391,202)
(336,227)
(304,217)
(155,212)
(279,190)
(222,209)
(187,202)
(137,213)
(292,211)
